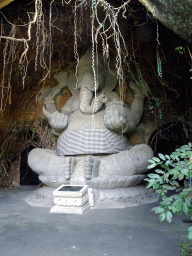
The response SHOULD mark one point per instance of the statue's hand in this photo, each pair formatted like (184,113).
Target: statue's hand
(115,120)
(59,121)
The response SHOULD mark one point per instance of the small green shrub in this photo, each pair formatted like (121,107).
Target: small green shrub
(186,248)
(171,169)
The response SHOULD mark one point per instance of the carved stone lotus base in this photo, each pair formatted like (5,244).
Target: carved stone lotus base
(104,199)
(117,181)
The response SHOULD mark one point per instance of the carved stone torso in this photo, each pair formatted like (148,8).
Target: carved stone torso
(87,134)
(80,121)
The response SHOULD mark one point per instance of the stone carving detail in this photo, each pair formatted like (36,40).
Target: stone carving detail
(71,201)
(92,147)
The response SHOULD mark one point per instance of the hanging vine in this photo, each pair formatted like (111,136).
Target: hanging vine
(103,23)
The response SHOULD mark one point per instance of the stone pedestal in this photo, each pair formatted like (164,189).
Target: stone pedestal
(73,199)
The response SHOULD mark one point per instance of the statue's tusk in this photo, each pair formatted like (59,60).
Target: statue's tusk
(46,113)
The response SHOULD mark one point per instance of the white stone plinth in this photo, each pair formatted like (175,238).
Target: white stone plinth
(71,199)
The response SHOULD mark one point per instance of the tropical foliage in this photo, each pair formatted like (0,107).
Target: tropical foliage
(171,171)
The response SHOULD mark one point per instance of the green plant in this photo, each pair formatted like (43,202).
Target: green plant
(190,71)
(180,49)
(186,248)
(172,168)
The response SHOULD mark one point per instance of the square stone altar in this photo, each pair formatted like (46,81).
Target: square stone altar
(71,199)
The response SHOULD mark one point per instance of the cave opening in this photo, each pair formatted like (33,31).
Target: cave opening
(169,137)
(27,176)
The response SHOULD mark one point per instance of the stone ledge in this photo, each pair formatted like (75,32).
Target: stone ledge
(105,199)
(70,210)
(124,197)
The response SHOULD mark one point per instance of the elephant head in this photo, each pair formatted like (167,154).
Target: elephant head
(87,86)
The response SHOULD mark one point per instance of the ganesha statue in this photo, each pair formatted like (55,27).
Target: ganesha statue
(92,147)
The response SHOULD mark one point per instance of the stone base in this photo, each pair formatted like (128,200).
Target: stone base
(72,199)
(70,210)
(124,197)
(104,199)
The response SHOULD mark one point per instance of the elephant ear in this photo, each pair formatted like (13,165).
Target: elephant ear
(61,79)
(110,81)
(48,92)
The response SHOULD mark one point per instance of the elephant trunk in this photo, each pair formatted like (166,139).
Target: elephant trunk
(87,105)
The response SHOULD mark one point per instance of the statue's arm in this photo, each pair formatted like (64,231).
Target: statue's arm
(59,120)
(121,118)
(137,104)
(117,115)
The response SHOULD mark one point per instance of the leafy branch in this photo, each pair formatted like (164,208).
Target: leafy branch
(172,168)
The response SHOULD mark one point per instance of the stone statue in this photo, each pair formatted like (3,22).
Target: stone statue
(92,147)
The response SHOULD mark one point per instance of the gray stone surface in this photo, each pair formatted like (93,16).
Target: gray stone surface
(132,231)
(104,199)
(174,14)
(71,199)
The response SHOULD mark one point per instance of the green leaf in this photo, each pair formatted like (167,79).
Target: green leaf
(166,177)
(165,166)
(187,201)
(162,216)
(173,209)
(187,189)
(183,194)
(166,201)
(151,161)
(180,177)
(158,209)
(173,171)
(172,156)
(160,192)
(159,171)
(169,216)
(149,185)
(172,163)
(171,187)
(185,208)
(167,156)
(161,156)
(151,166)
(153,175)
(190,235)
(190,229)
(185,183)
(156,159)
(178,205)
(174,183)
(168,162)
(156,186)
(184,171)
